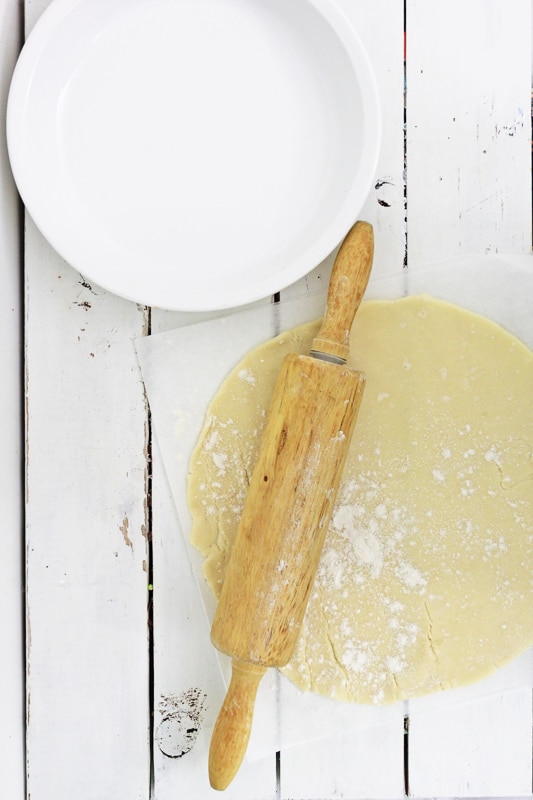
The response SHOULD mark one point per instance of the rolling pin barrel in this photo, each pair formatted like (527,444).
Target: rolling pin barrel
(282,529)
(281,533)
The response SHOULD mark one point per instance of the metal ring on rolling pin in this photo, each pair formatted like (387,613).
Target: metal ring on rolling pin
(328,357)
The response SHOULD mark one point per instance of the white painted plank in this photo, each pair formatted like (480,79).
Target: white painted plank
(480,749)
(468,128)
(379,24)
(469,190)
(366,763)
(88,667)
(87,522)
(186,670)
(12,764)
(32,11)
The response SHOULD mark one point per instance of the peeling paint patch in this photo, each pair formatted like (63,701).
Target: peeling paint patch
(124,531)
(513,128)
(385,190)
(182,716)
(86,285)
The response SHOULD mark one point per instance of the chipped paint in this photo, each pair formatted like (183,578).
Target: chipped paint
(182,717)
(384,188)
(86,285)
(513,128)
(124,531)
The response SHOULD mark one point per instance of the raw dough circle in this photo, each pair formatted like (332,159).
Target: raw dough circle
(425,580)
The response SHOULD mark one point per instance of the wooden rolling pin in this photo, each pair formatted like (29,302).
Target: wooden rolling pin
(278,544)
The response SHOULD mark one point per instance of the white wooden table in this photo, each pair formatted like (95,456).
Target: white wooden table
(107,582)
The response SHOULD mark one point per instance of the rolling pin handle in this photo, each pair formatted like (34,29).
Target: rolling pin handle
(349,279)
(234,723)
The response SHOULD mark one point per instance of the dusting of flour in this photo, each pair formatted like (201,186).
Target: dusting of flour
(425,577)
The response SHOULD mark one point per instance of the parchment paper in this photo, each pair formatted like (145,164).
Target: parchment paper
(182,370)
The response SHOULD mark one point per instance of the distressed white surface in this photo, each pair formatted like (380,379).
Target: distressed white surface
(468,128)
(351,764)
(481,749)
(11,442)
(468,73)
(86,528)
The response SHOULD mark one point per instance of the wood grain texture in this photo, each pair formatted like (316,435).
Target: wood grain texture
(234,724)
(292,493)
(348,282)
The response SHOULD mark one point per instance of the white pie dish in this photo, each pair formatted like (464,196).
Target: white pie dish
(193,154)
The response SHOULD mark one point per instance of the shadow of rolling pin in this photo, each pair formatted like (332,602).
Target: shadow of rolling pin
(280,537)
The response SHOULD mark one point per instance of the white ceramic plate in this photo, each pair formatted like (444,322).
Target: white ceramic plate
(193,154)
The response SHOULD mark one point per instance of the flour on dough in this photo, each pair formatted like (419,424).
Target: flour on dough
(426,578)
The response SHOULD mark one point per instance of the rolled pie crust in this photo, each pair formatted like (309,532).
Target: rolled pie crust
(426,579)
